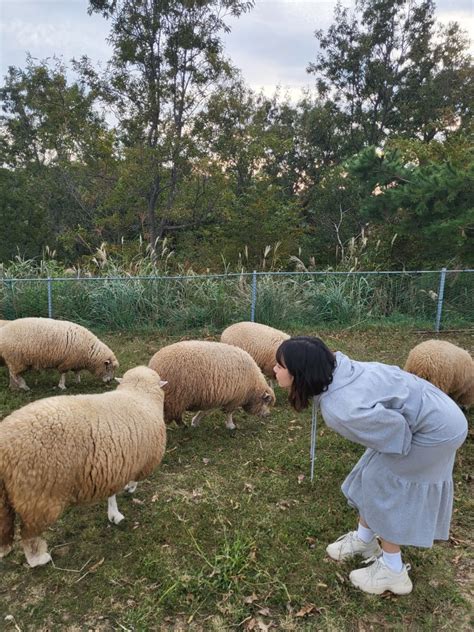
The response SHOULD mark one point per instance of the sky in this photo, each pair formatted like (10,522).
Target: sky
(272,45)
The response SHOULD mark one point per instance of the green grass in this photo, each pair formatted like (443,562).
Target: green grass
(226,534)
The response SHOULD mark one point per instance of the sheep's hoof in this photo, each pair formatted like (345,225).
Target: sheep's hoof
(5,550)
(115,518)
(39,560)
(19,387)
(130,487)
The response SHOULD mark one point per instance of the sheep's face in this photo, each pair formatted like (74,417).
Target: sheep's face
(106,369)
(260,403)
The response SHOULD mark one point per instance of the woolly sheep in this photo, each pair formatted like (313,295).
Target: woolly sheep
(75,449)
(204,375)
(447,366)
(259,340)
(45,343)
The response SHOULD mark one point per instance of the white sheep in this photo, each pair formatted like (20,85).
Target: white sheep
(76,449)
(204,375)
(261,341)
(45,343)
(445,365)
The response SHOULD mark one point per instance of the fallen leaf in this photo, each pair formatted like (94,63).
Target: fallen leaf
(253,597)
(265,612)
(94,567)
(301,478)
(305,610)
(137,501)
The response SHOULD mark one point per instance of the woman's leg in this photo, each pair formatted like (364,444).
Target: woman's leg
(391,553)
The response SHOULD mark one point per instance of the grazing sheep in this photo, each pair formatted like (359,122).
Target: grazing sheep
(445,365)
(76,449)
(45,343)
(203,375)
(259,340)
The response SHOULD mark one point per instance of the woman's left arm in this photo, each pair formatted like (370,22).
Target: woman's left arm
(380,428)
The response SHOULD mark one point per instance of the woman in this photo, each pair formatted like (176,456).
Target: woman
(402,486)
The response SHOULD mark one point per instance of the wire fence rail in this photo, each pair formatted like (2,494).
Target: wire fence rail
(430,298)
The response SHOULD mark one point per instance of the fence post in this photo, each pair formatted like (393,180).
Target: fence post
(50,298)
(442,281)
(254,296)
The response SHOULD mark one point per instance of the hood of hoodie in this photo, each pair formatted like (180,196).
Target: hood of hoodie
(346,371)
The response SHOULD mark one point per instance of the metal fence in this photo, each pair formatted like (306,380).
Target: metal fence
(430,298)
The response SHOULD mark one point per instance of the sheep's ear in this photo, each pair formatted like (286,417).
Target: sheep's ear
(163,383)
(267,397)
(118,379)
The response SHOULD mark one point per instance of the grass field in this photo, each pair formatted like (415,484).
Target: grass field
(229,533)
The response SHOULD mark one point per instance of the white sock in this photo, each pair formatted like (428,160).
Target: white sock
(364,533)
(393,561)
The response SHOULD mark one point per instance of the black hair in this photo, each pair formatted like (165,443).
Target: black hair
(311,363)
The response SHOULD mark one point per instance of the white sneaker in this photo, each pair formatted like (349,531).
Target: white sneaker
(350,544)
(377,578)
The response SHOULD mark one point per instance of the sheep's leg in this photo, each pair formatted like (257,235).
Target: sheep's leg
(36,551)
(196,420)
(113,513)
(45,512)
(78,377)
(7,523)
(131,486)
(62,382)
(229,423)
(17,383)
(5,549)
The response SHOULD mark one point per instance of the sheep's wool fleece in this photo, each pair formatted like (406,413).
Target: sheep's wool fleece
(402,486)
(202,375)
(78,448)
(445,365)
(49,343)
(261,341)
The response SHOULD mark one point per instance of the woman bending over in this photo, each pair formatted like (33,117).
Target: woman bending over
(402,486)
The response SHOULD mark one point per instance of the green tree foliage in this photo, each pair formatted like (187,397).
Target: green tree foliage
(169,142)
(23,218)
(422,195)
(57,144)
(167,56)
(386,68)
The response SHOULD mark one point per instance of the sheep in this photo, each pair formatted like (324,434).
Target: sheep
(204,375)
(445,365)
(44,343)
(76,449)
(259,340)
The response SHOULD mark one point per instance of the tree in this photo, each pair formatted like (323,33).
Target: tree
(423,196)
(167,56)
(56,143)
(386,69)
